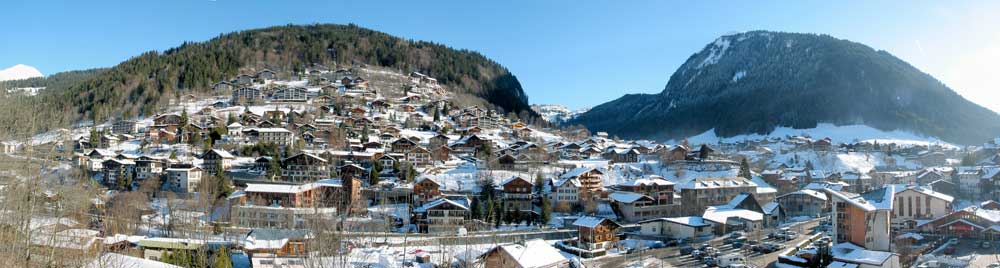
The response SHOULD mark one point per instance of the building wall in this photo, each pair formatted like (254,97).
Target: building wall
(674,230)
(912,205)
(802,205)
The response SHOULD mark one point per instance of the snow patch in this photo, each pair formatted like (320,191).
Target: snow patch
(18,72)
(739,75)
(716,51)
(839,134)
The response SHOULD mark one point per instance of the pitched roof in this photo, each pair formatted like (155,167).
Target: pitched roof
(807,192)
(924,190)
(533,253)
(627,197)
(721,214)
(647,181)
(851,253)
(693,221)
(576,172)
(879,199)
(591,221)
(221,153)
(441,201)
(513,178)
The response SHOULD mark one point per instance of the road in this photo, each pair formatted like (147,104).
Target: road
(670,256)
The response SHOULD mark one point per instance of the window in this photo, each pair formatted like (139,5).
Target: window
(927,207)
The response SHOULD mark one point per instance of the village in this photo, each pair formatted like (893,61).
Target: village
(374,167)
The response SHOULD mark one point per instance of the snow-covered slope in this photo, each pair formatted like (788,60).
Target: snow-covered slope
(557,114)
(839,134)
(18,72)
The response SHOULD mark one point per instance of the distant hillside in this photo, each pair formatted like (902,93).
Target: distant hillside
(145,83)
(751,83)
(58,82)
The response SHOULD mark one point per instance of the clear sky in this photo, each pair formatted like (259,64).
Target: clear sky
(576,53)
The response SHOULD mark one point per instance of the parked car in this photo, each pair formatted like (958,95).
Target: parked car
(789,235)
(709,261)
(953,241)
(737,244)
(697,254)
(949,250)
(685,250)
(731,260)
(986,244)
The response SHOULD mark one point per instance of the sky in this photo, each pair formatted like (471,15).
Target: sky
(574,53)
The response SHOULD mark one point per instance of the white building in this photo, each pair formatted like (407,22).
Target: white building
(675,228)
(183,180)
(915,203)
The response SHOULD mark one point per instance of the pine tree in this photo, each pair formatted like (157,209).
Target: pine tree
(745,169)
(95,138)
(184,117)
(373,178)
(221,259)
(539,183)
(546,214)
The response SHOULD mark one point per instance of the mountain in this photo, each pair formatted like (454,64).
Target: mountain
(144,84)
(555,113)
(754,82)
(18,72)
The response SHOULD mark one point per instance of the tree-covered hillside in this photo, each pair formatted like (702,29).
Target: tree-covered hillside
(145,83)
(756,81)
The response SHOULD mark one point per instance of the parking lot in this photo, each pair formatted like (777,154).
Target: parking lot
(673,256)
(981,257)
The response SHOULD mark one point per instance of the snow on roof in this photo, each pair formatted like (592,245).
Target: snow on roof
(879,199)
(837,264)
(924,190)
(534,253)
(576,172)
(272,188)
(850,253)
(270,129)
(770,208)
(590,221)
(721,214)
(573,182)
(103,152)
(911,235)
(737,200)
(124,261)
(986,214)
(647,181)
(693,221)
(440,201)
(627,197)
(809,192)
(703,183)
(222,153)
(820,186)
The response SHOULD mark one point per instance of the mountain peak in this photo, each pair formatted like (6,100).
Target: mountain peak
(18,72)
(755,82)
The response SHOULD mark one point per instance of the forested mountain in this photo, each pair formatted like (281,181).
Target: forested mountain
(756,81)
(145,83)
(58,82)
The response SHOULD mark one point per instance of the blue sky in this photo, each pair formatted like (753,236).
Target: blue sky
(576,53)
